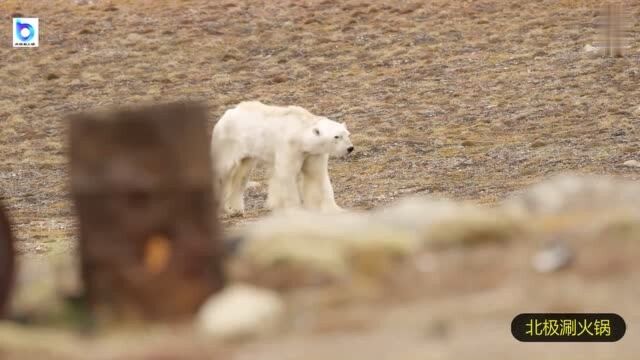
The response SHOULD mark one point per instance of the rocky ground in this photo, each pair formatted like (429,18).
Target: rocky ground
(469,100)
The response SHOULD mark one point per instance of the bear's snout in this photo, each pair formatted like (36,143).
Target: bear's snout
(350,149)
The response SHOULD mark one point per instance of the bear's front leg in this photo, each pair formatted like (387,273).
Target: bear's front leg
(283,185)
(317,191)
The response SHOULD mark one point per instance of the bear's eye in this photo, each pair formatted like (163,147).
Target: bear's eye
(337,137)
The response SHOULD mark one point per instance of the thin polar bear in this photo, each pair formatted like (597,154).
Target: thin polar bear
(294,144)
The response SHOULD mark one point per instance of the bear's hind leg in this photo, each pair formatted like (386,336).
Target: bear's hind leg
(224,175)
(239,180)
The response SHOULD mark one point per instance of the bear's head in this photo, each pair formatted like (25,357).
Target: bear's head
(329,137)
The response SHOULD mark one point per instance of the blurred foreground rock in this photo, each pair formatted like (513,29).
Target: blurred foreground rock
(419,248)
(573,193)
(297,247)
(368,243)
(308,247)
(586,205)
(442,223)
(241,311)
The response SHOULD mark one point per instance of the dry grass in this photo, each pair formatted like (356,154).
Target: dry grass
(467,99)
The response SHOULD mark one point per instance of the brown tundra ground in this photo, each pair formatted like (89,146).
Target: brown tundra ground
(463,99)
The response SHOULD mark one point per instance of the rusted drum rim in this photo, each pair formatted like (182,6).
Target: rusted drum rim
(6,260)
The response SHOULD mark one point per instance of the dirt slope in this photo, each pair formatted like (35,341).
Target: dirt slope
(466,99)
(469,99)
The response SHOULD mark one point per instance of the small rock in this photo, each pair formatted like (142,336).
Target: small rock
(253,185)
(134,38)
(537,144)
(632,163)
(91,77)
(438,329)
(212,29)
(241,311)
(590,48)
(555,257)
(277,79)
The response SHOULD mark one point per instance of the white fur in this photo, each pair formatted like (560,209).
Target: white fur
(291,141)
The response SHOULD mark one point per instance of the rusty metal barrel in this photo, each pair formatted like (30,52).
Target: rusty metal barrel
(7,261)
(141,183)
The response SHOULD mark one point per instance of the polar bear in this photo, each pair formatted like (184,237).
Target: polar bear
(294,144)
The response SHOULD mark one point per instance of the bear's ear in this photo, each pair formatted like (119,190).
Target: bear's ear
(316,131)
